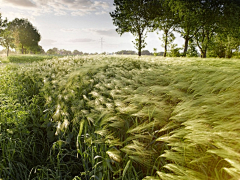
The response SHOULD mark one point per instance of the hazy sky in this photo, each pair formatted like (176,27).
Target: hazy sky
(75,24)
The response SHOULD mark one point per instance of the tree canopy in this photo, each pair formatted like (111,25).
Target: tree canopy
(134,17)
(199,22)
(7,40)
(25,34)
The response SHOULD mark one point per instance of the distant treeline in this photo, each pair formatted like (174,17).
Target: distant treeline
(144,52)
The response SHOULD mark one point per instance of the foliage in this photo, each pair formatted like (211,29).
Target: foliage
(146,52)
(165,21)
(120,118)
(2,23)
(167,38)
(125,52)
(63,52)
(25,34)
(133,16)
(174,51)
(222,46)
(76,52)
(198,21)
(192,51)
(6,39)
(187,23)
(216,17)
(28,58)
(155,52)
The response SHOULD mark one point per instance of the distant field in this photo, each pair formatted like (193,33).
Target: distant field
(24,58)
(120,117)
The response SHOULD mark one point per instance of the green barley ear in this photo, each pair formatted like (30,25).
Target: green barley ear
(125,169)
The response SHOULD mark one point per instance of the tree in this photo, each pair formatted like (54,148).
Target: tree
(209,14)
(6,40)
(76,52)
(53,51)
(187,12)
(229,35)
(64,52)
(25,34)
(126,52)
(146,52)
(165,21)
(174,51)
(192,51)
(155,52)
(133,16)
(3,23)
(36,50)
(215,17)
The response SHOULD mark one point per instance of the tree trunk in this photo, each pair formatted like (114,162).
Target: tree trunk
(204,54)
(165,46)
(186,46)
(22,49)
(202,49)
(139,44)
(7,51)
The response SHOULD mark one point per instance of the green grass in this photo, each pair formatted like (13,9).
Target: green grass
(108,117)
(28,58)
(24,58)
(3,59)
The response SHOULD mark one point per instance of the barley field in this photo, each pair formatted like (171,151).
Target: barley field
(120,118)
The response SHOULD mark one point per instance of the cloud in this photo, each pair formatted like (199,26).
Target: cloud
(12,15)
(23,3)
(47,42)
(103,32)
(101,12)
(75,7)
(60,7)
(81,40)
(70,30)
(80,13)
(58,12)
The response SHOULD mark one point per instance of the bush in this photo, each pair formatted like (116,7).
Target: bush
(174,52)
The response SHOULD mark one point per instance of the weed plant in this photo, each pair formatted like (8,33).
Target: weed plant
(120,118)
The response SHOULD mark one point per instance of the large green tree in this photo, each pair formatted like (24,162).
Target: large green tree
(215,17)
(25,34)
(134,16)
(203,21)
(165,20)
(187,12)
(6,39)
(209,22)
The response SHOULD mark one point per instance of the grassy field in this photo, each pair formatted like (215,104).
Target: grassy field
(24,58)
(120,117)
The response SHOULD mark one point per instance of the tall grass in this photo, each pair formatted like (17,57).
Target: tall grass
(25,58)
(120,118)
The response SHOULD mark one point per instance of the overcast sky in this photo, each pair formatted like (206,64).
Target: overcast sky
(75,24)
